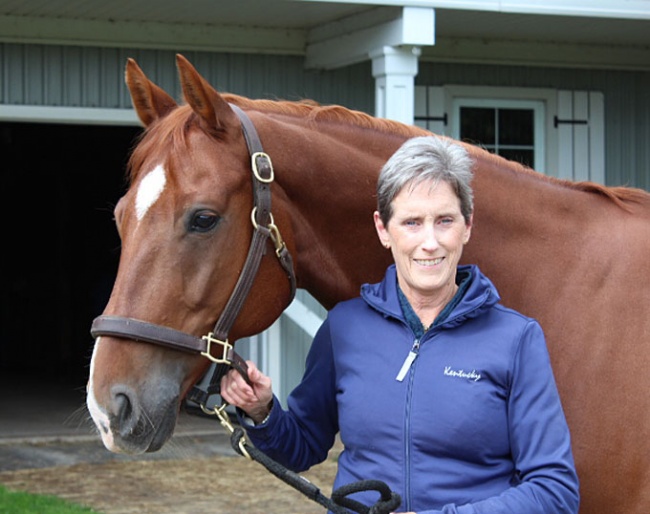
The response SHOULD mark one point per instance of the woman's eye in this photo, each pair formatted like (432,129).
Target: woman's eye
(204,221)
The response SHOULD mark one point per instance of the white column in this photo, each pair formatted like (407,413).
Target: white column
(394,70)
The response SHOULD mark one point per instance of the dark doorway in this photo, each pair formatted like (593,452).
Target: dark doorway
(60,246)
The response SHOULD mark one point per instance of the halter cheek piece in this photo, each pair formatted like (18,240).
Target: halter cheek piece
(264,228)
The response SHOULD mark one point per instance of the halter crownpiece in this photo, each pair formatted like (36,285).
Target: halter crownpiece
(264,228)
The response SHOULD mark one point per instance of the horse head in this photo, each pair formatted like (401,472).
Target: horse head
(186,224)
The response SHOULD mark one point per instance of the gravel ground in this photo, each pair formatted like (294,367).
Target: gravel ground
(192,475)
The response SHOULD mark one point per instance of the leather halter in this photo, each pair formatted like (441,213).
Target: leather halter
(264,228)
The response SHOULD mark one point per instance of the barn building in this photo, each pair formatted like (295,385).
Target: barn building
(571,77)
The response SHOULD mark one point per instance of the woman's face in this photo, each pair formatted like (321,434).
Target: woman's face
(426,235)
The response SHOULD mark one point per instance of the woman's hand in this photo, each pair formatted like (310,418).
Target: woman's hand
(256,399)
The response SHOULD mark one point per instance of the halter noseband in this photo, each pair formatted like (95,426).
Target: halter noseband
(263,229)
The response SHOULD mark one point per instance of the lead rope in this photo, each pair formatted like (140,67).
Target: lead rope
(339,503)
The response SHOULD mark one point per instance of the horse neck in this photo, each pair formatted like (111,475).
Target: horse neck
(326,173)
(546,232)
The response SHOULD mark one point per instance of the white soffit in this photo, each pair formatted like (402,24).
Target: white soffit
(352,39)
(633,9)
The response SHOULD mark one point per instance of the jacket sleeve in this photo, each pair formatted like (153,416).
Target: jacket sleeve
(301,436)
(547,482)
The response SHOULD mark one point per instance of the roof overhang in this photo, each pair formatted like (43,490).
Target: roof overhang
(572,33)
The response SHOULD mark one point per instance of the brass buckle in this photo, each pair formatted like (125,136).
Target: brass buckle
(256,170)
(209,339)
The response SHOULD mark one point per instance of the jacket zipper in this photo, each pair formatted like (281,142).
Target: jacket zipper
(406,367)
(408,362)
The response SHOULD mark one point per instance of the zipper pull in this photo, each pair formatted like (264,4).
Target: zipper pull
(408,361)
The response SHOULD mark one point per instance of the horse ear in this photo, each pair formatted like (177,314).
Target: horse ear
(149,100)
(203,98)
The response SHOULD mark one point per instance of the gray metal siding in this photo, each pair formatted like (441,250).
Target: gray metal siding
(627,106)
(74,76)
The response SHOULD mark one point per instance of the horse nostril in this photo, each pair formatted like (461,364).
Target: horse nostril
(125,411)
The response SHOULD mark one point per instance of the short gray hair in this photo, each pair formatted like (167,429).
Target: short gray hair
(423,159)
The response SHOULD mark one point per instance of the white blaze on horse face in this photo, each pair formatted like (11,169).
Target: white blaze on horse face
(96,413)
(150,190)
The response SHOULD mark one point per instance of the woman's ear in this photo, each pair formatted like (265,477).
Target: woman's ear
(468,229)
(382,233)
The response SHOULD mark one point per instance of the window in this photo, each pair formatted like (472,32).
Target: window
(560,133)
(510,128)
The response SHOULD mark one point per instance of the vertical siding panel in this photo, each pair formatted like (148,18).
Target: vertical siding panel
(620,114)
(565,135)
(641,121)
(92,79)
(33,75)
(53,80)
(420,107)
(3,73)
(580,136)
(72,77)
(597,137)
(436,107)
(15,93)
(110,87)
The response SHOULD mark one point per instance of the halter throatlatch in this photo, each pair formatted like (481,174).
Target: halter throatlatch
(264,228)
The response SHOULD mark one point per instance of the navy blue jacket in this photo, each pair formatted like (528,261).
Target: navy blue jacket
(475,425)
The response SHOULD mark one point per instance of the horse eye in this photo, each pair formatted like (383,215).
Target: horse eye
(203,221)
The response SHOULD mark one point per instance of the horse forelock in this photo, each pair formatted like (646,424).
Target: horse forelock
(165,136)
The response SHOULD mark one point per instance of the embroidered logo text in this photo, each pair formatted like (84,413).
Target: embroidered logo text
(473,375)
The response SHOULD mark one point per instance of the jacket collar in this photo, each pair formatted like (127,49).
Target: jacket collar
(479,296)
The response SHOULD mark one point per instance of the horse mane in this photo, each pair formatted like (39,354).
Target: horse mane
(314,111)
(175,126)
(620,195)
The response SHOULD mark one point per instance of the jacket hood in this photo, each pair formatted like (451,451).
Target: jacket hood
(481,295)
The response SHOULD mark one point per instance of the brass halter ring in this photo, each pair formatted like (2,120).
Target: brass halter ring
(275,235)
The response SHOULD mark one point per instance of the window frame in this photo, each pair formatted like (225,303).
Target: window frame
(438,102)
(539,116)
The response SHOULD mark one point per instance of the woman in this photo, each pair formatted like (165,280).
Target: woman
(436,388)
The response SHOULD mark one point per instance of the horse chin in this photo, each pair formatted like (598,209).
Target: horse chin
(134,429)
(163,434)
(143,437)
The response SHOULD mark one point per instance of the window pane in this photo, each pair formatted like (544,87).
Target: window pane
(516,127)
(525,157)
(477,125)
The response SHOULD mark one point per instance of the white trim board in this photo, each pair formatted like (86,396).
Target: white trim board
(71,115)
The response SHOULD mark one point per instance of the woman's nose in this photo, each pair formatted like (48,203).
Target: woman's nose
(430,237)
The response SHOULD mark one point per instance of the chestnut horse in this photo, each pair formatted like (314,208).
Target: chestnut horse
(572,255)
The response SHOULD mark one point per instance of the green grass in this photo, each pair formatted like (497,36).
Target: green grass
(17,502)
